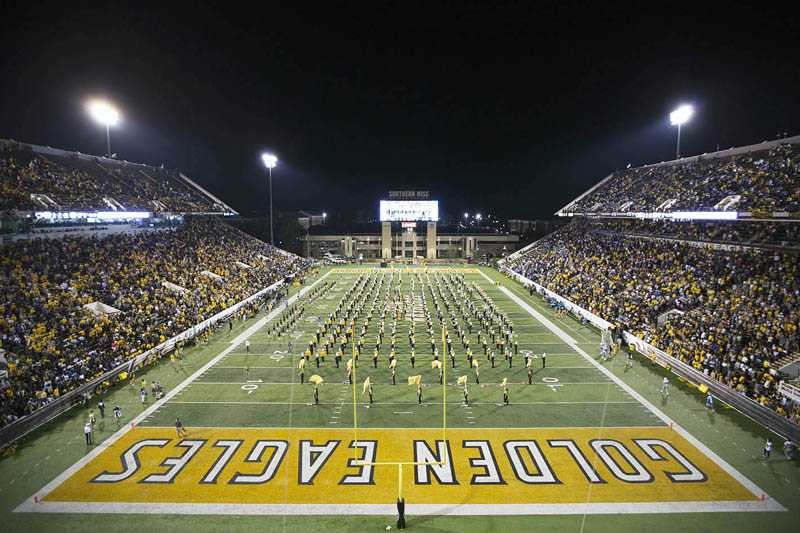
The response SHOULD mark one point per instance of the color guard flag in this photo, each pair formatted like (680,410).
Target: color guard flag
(475,363)
(436,364)
(504,383)
(349,365)
(302,364)
(315,379)
(123,376)
(393,363)
(462,380)
(366,387)
(414,380)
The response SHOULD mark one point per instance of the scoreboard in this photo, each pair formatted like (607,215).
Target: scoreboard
(408,210)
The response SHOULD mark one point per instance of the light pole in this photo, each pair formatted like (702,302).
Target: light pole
(270,161)
(105,114)
(679,117)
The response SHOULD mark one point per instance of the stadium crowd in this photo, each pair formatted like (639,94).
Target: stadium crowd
(81,183)
(767,180)
(738,310)
(50,343)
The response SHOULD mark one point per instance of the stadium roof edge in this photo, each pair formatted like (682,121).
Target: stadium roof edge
(764,145)
(89,157)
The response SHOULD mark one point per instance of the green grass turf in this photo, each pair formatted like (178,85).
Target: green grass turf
(584,397)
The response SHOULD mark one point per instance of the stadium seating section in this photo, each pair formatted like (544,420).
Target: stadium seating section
(738,309)
(51,344)
(61,181)
(767,181)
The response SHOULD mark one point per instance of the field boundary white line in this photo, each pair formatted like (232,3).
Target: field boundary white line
(378,404)
(30,505)
(411,509)
(567,339)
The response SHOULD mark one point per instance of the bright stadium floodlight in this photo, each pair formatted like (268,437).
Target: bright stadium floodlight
(679,117)
(478,216)
(105,114)
(466,215)
(270,161)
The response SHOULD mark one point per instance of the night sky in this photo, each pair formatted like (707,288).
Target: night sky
(512,108)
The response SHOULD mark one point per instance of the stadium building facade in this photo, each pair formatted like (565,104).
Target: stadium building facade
(409,231)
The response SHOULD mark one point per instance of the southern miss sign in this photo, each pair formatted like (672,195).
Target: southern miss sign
(469,471)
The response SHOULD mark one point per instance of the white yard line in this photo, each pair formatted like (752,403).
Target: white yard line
(342,509)
(449,383)
(30,504)
(769,503)
(378,404)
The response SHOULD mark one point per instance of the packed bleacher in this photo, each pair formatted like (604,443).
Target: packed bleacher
(765,180)
(733,312)
(50,343)
(34,178)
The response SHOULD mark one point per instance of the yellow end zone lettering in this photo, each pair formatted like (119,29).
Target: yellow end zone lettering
(473,466)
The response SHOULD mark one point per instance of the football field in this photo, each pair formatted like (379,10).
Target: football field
(573,439)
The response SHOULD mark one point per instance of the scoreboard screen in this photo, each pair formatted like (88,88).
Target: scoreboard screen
(407,210)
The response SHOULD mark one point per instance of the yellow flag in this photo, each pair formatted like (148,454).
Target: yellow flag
(302,364)
(436,364)
(505,382)
(366,386)
(475,363)
(315,379)
(414,380)
(528,363)
(462,380)
(349,364)
(393,363)
(123,376)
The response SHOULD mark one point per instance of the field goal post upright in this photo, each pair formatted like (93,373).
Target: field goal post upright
(399,464)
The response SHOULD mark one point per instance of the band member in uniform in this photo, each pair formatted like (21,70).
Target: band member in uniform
(316,394)
(419,394)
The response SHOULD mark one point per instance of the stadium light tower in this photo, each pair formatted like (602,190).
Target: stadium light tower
(270,161)
(105,114)
(679,117)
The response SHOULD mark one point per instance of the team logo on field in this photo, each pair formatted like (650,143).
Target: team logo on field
(467,466)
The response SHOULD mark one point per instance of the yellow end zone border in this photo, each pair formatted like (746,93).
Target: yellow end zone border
(760,500)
